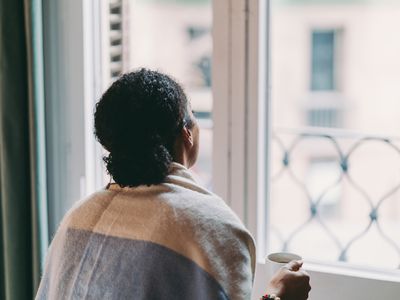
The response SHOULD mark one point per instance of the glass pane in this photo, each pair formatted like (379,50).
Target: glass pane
(322,60)
(174,37)
(335,158)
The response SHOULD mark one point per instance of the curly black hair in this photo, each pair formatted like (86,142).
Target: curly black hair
(138,120)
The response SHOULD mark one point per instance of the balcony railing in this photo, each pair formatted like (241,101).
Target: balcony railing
(330,173)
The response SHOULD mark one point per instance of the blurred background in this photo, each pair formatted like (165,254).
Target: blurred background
(335,113)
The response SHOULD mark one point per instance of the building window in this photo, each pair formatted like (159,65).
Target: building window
(324,117)
(323,60)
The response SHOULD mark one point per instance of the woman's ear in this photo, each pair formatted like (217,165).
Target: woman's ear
(187,136)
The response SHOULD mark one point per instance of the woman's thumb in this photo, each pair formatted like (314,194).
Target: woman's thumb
(294,265)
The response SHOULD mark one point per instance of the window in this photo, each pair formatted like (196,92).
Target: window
(323,60)
(314,204)
(360,217)
(333,173)
(323,117)
(115,38)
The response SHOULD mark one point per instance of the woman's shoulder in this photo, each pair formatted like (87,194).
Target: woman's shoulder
(205,212)
(86,210)
(196,203)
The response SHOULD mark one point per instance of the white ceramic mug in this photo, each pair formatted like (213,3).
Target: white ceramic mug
(275,261)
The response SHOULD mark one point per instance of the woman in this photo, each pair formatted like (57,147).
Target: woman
(154,233)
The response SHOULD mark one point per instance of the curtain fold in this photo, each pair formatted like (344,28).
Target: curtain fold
(34,42)
(23,214)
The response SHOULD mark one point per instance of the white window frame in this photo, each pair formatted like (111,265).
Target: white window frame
(238,110)
(73,85)
(240,153)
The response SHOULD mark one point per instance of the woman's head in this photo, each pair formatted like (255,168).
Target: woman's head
(145,122)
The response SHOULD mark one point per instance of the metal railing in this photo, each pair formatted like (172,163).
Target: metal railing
(342,148)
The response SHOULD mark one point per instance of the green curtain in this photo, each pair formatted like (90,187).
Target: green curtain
(23,213)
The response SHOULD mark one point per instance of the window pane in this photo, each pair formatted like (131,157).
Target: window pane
(322,60)
(335,161)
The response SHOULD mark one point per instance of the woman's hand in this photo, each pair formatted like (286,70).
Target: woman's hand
(290,283)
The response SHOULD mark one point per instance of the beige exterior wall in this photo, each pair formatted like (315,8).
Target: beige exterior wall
(367,59)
